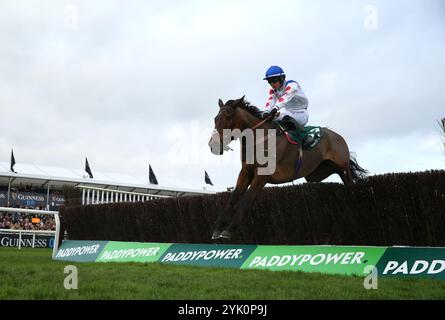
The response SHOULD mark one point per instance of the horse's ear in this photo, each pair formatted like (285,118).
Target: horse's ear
(242,98)
(220,103)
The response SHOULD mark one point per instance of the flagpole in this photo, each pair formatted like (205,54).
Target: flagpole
(47,198)
(9,189)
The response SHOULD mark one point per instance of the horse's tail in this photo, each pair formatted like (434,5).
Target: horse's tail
(357,172)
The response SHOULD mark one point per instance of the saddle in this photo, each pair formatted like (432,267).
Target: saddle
(308,137)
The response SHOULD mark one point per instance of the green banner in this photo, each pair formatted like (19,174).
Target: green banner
(132,251)
(207,254)
(77,250)
(345,260)
(413,262)
(325,259)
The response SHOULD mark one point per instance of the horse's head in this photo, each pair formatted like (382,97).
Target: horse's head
(225,119)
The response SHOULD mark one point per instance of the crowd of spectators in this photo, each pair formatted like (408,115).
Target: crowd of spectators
(26,221)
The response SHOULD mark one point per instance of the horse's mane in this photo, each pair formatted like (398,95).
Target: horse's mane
(245,105)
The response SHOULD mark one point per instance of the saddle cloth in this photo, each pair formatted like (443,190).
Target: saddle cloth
(296,136)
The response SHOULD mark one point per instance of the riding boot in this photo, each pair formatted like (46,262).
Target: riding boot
(291,124)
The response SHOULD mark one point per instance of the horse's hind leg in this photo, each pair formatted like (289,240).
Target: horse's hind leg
(338,154)
(344,171)
(345,174)
(327,168)
(324,170)
(345,177)
(244,179)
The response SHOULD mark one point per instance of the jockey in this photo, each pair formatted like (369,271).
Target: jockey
(287,98)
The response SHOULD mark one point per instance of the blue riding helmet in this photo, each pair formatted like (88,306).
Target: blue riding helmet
(274,71)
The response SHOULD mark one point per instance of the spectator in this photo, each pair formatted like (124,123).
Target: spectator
(21,221)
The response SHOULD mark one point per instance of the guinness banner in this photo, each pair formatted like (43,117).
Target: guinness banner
(3,198)
(31,199)
(12,240)
(55,201)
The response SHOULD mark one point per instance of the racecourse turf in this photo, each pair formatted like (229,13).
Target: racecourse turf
(32,274)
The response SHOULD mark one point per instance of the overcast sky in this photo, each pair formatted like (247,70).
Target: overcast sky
(133,83)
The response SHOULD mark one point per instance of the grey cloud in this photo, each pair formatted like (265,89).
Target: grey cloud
(116,86)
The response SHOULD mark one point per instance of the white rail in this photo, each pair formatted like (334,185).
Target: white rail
(96,195)
(34,232)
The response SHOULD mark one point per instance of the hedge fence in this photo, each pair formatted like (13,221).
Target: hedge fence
(384,210)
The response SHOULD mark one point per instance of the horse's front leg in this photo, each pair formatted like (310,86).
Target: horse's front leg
(256,186)
(244,179)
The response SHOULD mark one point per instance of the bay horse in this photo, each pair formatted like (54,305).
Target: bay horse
(330,156)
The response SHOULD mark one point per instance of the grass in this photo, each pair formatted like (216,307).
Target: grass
(32,274)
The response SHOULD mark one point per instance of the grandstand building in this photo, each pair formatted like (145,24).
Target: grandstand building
(36,186)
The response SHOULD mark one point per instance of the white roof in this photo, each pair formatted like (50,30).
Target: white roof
(39,174)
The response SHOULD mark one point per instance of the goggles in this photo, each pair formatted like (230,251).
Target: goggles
(273,79)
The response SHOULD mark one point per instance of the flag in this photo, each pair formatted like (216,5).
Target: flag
(207,179)
(12,161)
(88,169)
(153,179)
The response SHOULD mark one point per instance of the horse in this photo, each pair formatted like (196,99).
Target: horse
(330,156)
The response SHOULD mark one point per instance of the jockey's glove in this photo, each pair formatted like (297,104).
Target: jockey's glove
(268,113)
(273,112)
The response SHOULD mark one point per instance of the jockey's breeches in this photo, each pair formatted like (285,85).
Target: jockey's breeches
(300,115)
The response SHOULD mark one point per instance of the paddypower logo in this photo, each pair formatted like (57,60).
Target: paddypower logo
(132,251)
(418,267)
(73,250)
(321,258)
(339,260)
(413,262)
(78,251)
(207,255)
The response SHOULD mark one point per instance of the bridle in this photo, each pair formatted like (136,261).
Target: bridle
(256,126)
(259,124)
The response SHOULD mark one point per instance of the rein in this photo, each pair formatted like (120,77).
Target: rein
(259,124)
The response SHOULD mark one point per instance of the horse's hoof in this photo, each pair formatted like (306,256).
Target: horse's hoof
(215,235)
(225,234)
